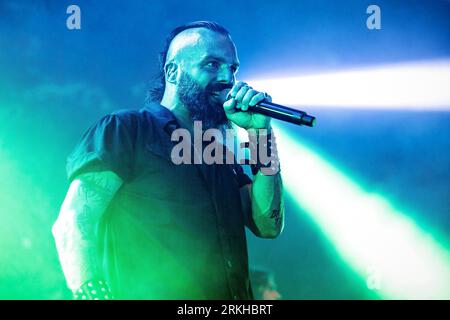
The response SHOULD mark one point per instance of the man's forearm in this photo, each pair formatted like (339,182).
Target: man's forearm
(77,254)
(268,204)
(267,187)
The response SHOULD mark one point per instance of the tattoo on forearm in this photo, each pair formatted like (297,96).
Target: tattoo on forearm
(276,215)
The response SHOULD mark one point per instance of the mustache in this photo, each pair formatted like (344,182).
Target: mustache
(220,87)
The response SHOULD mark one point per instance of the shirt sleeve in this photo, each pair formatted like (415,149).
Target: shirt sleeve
(105,146)
(243,180)
(241,177)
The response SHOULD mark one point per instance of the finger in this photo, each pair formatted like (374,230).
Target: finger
(230,105)
(241,93)
(235,89)
(248,96)
(257,99)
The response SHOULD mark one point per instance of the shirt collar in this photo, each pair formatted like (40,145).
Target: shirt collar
(167,121)
(164,116)
(163,123)
(158,111)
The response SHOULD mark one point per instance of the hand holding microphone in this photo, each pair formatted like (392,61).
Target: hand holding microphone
(242,98)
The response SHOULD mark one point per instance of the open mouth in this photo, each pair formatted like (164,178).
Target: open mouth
(222,94)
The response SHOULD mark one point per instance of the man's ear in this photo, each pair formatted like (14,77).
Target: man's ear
(171,71)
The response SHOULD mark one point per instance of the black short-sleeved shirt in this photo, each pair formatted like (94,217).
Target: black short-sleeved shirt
(171,231)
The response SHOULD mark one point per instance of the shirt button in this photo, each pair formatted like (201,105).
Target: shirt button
(229,264)
(235,297)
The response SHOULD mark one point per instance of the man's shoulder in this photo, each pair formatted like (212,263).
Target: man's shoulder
(149,115)
(129,116)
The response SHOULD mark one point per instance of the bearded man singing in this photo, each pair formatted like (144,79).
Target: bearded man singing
(134,225)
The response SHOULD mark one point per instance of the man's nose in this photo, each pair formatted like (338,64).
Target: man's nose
(226,75)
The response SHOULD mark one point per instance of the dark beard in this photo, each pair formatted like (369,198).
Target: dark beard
(212,115)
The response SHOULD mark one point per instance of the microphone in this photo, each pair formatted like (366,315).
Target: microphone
(276,111)
(283,113)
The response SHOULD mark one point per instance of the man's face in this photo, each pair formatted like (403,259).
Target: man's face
(200,103)
(208,72)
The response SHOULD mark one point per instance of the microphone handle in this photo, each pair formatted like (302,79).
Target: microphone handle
(283,113)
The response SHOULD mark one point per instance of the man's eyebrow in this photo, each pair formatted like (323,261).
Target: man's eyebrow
(211,57)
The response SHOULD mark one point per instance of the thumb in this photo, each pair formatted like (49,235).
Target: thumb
(230,105)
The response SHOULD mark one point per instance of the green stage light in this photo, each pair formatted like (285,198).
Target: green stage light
(375,239)
(380,243)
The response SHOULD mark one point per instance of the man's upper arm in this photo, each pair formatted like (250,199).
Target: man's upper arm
(90,193)
(102,160)
(75,230)
(108,145)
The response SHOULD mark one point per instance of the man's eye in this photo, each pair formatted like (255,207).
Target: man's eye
(213,64)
